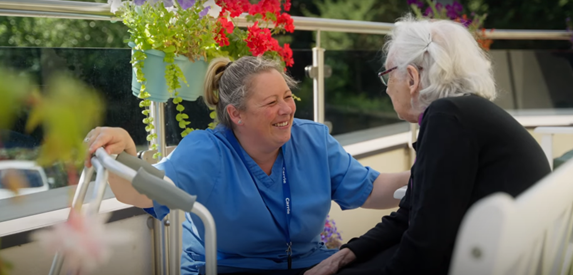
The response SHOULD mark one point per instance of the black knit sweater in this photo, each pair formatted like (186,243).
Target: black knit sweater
(467,148)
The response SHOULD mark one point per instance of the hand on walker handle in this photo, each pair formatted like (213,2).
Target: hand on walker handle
(113,139)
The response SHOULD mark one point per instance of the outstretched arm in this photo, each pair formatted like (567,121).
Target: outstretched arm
(382,195)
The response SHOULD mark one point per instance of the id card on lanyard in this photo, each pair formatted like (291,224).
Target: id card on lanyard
(286,193)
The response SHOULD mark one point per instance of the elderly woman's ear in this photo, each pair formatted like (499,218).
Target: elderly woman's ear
(413,80)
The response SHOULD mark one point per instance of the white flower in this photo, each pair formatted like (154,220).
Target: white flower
(114,5)
(215,9)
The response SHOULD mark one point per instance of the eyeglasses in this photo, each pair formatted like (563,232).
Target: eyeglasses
(385,75)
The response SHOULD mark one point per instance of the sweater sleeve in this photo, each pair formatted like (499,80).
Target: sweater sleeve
(384,235)
(443,181)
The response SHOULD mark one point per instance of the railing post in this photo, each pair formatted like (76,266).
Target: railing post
(161,234)
(318,81)
(175,241)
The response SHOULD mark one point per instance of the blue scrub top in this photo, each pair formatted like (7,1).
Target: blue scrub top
(318,170)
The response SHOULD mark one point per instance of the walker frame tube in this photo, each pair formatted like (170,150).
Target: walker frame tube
(103,162)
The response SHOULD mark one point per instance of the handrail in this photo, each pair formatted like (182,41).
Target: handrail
(101,11)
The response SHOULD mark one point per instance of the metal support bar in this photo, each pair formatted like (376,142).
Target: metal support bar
(175,241)
(101,11)
(208,221)
(149,184)
(57,6)
(99,189)
(172,224)
(161,233)
(318,84)
(77,201)
(210,238)
(318,81)
(161,247)
(158,115)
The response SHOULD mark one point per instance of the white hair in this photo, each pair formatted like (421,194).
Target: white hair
(450,60)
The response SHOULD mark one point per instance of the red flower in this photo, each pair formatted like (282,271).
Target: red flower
(285,19)
(286,5)
(264,7)
(259,40)
(222,39)
(255,9)
(286,55)
(235,7)
(223,25)
(226,24)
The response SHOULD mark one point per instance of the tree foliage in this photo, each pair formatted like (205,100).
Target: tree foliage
(66,33)
(365,10)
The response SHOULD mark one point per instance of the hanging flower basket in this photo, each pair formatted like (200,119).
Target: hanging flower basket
(154,71)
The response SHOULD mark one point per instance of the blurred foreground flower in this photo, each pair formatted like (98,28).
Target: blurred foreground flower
(14,90)
(83,241)
(67,111)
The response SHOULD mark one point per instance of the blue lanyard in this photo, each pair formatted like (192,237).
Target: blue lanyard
(286,193)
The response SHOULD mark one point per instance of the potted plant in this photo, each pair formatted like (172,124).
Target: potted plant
(171,42)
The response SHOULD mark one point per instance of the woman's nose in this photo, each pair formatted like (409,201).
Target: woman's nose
(284,108)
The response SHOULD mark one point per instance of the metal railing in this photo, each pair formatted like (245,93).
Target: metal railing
(165,259)
(101,11)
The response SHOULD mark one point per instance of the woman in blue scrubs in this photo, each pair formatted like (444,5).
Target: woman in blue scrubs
(267,178)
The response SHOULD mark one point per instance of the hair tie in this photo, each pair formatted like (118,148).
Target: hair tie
(427,45)
(221,70)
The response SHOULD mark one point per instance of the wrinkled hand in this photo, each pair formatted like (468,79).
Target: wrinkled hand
(325,267)
(113,140)
(333,263)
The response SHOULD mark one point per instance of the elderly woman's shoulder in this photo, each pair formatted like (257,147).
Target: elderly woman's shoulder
(459,103)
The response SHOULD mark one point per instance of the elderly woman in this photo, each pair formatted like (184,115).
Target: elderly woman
(267,178)
(467,148)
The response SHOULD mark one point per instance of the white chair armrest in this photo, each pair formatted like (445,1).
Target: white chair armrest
(400,192)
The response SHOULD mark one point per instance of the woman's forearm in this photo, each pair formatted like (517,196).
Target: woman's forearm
(115,141)
(382,195)
(125,193)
